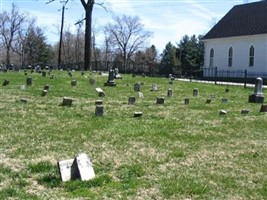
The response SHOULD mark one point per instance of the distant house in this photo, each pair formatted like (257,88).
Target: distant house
(238,43)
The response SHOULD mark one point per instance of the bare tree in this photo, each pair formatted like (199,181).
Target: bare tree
(128,36)
(11,25)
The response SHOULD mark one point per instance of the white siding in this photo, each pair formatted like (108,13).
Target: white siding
(240,47)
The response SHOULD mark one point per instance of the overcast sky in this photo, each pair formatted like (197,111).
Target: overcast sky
(168,20)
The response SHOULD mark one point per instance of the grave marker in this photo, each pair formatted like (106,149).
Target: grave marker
(99,110)
(160,100)
(67,101)
(92,81)
(44,92)
(195,92)
(154,87)
(68,170)
(98,102)
(257,96)
(28,81)
(5,83)
(85,167)
(131,100)
(100,92)
(170,92)
(244,111)
(223,112)
(137,87)
(263,108)
(73,82)
(110,81)
(186,101)
(138,114)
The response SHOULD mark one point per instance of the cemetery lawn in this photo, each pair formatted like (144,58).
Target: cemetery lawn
(173,151)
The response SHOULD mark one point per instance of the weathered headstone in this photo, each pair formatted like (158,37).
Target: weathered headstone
(22,87)
(257,96)
(67,101)
(99,110)
(100,92)
(73,82)
(68,170)
(227,90)
(137,87)
(186,101)
(140,95)
(5,83)
(170,92)
(263,108)
(131,100)
(160,100)
(110,81)
(154,87)
(116,72)
(92,81)
(28,81)
(224,100)
(85,167)
(138,114)
(195,92)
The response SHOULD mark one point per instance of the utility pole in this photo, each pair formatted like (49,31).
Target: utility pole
(60,38)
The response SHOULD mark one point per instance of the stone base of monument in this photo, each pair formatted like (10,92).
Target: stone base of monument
(110,83)
(256,98)
(118,76)
(263,108)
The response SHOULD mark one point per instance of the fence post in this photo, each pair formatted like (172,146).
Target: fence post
(246,75)
(215,75)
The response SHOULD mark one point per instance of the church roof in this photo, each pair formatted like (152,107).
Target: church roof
(241,20)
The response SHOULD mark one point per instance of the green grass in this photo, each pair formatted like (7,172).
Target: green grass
(174,151)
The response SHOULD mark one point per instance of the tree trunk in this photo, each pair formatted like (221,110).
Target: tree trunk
(88,35)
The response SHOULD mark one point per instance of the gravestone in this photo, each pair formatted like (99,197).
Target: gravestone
(98,102)
(5,83)
(67,101)
(92,81)
(22,87)
(70,74)
(85,167)
(224,100)
(44,92)
(100,92)
(28,81)
(140,95)
(160,100)
(73,82)
(170,92)
(23,100)
(116,72)
(208,101)
(263,108)
(186,101)
(131,100)
(195,92)
(99,110)
(154,87)
(110,81)
(227,90)
(223,112)
(68,170)
(137,87)
(257,96)
(78,168)
(138,114)
(244,111)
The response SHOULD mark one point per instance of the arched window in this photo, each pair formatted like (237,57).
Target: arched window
(251,56)
(211,57)
(230,57)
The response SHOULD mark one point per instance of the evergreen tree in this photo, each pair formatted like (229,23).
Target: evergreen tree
(169,59)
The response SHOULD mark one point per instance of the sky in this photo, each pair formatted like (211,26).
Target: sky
(167,20)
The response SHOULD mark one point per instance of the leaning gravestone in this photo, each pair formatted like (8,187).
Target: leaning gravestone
(44,92)
(186,101)
(263,108)
(73,83)
(257,96)
(85,167)
(138,114)
(23,100)
(223,112)
(100,92)
(46,87)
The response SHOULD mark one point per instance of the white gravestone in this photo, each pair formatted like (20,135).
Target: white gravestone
(67,170)
(85,167)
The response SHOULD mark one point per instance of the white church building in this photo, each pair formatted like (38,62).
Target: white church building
(237,44)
